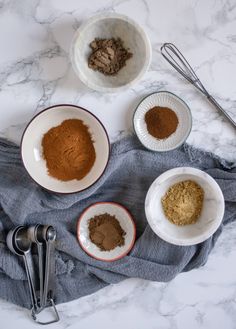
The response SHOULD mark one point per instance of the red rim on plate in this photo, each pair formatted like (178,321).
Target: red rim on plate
(129,216)
(50,108)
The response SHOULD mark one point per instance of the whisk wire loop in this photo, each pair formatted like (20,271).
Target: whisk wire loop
(172,54)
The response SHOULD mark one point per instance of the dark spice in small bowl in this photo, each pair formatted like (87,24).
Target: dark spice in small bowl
(105,232)
(161,122)
(108,56)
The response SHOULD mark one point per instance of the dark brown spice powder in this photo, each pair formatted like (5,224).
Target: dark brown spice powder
(108,56)
(161,122)
(105,231)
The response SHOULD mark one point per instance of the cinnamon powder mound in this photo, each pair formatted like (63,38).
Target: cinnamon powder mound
(68,150)
(161,122)
(105,231)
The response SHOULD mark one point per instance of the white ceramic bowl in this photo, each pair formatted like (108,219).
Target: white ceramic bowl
(165,99)
(126,222)
(31,149)
(209,220)
(110,25)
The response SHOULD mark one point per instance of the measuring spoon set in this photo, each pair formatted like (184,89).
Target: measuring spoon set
(20,241)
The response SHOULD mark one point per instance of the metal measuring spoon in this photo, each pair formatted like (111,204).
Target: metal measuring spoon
(49,236)
(34,233)
(46,234)
(18,242)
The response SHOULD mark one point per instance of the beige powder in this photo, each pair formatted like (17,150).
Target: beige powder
(182,204)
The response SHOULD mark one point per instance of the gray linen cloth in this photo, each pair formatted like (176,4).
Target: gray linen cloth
(126,180)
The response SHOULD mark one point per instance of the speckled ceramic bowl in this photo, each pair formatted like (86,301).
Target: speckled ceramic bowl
(110,25)
(181,109)
(211,215)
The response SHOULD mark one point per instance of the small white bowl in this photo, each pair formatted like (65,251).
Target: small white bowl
(126,222)
(111,25)
(209,220)
(31,148)
(165,99)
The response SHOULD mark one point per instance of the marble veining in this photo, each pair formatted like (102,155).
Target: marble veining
(35,72)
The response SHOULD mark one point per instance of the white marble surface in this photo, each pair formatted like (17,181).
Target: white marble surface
(35,72)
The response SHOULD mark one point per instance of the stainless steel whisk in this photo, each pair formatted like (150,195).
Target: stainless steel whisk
(172,54)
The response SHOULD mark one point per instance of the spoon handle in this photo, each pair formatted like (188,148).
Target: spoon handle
(49,272)
(41,270)
(31,278)
(34,234)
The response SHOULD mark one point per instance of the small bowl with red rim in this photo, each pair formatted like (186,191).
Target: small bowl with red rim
(125,220)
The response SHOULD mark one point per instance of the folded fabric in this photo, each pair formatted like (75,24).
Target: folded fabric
(126,180)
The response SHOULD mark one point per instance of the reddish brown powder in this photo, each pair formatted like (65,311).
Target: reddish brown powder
(161,122)
(68,150)
(105,231)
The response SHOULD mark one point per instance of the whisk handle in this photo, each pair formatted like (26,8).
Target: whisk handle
(175,58)
(219,108)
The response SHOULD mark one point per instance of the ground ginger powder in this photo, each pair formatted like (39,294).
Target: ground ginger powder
(182,203)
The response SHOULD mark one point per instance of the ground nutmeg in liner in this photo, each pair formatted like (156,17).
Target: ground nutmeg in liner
(105,232)
(68,150)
